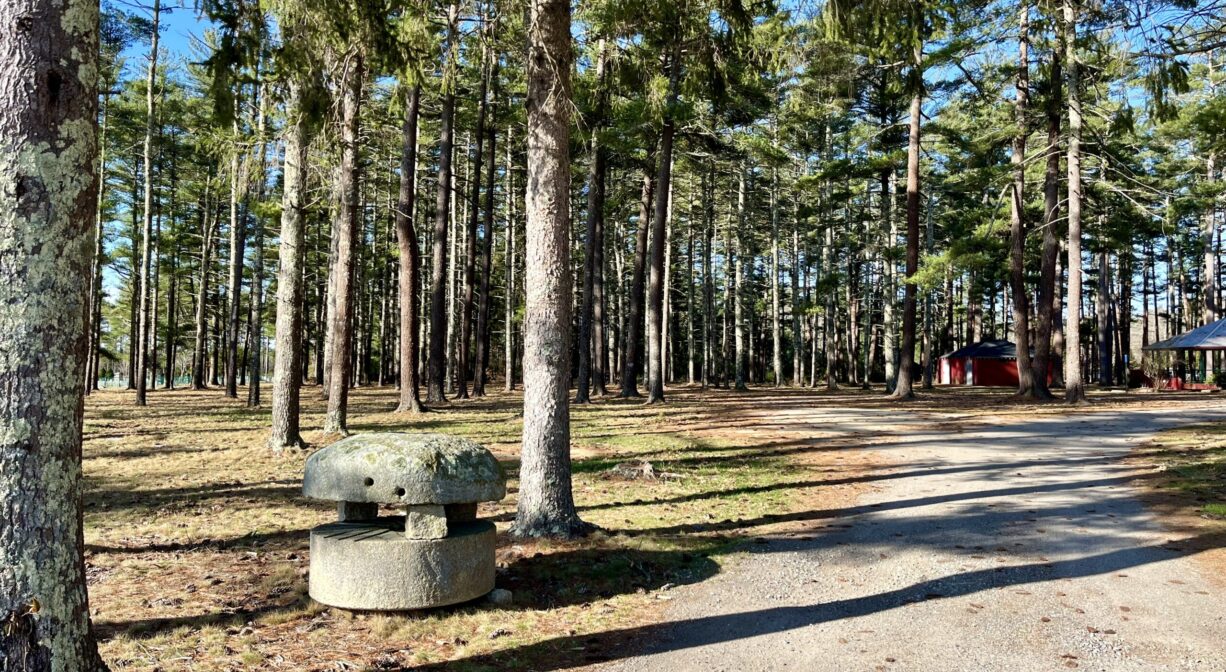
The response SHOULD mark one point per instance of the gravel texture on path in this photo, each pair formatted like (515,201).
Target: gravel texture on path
(990,546)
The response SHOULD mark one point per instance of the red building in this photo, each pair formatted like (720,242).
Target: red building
(988,363)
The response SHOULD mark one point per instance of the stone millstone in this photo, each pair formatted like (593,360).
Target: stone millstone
(372,566)
(408,469)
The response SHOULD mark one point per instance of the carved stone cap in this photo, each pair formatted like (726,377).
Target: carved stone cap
(408,469)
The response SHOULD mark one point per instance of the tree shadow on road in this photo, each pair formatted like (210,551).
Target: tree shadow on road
(565,652)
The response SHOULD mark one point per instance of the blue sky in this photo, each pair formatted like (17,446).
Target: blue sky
(181,26)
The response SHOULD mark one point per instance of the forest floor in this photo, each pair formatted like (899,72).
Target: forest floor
(197,534)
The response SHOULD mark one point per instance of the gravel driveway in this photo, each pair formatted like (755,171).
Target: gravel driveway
(991,547)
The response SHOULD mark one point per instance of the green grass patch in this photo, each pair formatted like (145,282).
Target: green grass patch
(1194,459)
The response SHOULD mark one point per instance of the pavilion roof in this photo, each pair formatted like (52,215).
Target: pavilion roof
(1212,336)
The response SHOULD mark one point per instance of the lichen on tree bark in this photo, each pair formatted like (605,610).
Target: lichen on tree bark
(48,191)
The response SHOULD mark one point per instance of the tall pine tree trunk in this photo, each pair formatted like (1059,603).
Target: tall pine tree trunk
(1017,223)
(656,282)
(927,339)
(798,337)
(546,505)
(510,302)
(48,202)
(172,317)
(1074,387)
(201,349)
(600,350)
(238,249)
(409,257)
(141,339)
(256,315)
(1102,314)
(632,349)
(1209,304)
(481,362)
(906,360)
(438,281)
(776,304)
(345,233)
(690,264)
(1047,312)
(463,361)
(738,285)
(832,334)
(287,365)
(92,369)
(889,278)
(589,350)
(708,277)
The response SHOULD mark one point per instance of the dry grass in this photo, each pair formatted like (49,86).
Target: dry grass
(197,534)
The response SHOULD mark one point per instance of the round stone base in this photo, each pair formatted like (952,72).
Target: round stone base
(371,565)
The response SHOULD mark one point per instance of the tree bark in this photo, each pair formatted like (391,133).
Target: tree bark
(238,248)
(134,284)
(481,361)
(409,257)
(738,282)
(1017,223)
(172,293)
(438,281)
(92,369)
(1074,387)
(287,366)
(1046,312)
(48,202)
(200,351)
(141,338)
(1102,313)
(546,506)
(1123,319)
(708,277)
(927,359)
(691,265)
(776,305)
(655,286)
(510,302)
(1210,309)
(906,360)
(589,348)
(889,279)
(464,361)
(256,315)
(798,335)
(632,349)
(345,233)
(832,334)
(600,349)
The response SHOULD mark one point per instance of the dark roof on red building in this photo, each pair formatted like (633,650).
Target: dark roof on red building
(986,350)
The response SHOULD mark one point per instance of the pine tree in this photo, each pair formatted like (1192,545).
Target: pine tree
(546,505)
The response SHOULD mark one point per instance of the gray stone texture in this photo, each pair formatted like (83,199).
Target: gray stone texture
(373,566)
(407,469)
(425,521)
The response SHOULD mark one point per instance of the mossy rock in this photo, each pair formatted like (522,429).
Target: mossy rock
(409,469)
